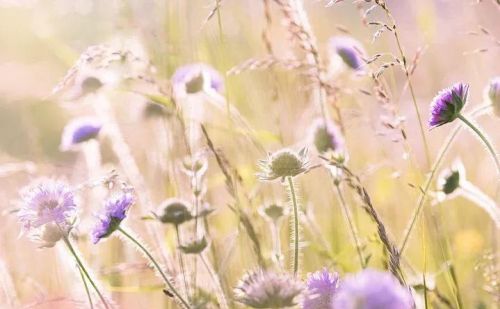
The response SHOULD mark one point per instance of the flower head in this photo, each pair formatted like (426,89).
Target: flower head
(47,201)
(321,287)
(114,211)
(372,289)
(273,212)
(79,130)
(284,163)
(266,289)
(194,78)
(447,104)
(175,211)
(326,137)
(349,50)
(493,92)
(450,179)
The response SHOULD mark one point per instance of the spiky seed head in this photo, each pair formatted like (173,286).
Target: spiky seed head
(326,137)
(284,163)
(195,246)
(267,289)
(273,212)
(372,289)
(450,179)
(175,211)
(321,288)
(493,92)
(447,104)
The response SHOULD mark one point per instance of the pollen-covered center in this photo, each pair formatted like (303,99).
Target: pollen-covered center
(286,164)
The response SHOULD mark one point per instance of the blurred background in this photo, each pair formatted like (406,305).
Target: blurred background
(457,40)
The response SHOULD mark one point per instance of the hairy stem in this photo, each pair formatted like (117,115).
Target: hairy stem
(85,272)
(295,225)
(156,265)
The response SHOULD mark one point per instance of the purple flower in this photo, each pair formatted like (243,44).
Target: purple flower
(79,130)
(115,210)
(349,49)
(266,289)
(372,289)
(448,103)
(321,287)
(326,137)
(47,201)
(494,94)
(193,78)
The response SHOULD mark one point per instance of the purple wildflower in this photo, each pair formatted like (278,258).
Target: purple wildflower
(372,289)
(349,50)
(321,287)
(447,104)
(266,289)
(46,201)
(326,137)
(494,94)
(193,78)
(79,130)
(115,210)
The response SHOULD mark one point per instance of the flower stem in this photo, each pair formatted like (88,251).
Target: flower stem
(181,259)
(86,287)
(295,225)
(429,179)
(483,138)
(158,268)
(352,228)
(84,270)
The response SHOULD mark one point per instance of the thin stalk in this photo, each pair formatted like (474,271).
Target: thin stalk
(276,242)
(181,259)
(352,228)
(216,281)
(84,270)
(158,268)
(483,138)
(295,225)
(424,251)
(410,84)
(429,179)
(86,288)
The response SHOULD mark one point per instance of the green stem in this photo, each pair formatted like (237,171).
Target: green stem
(429,179)
(84,270)
(87,291)
(352,228)
(295,226)
(483,138)
(158,268)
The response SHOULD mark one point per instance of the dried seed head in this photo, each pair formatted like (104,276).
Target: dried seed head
(284,163)
(447,104)
(266,289)
(493,92)
(195,166)
(175,211)
(195,246)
